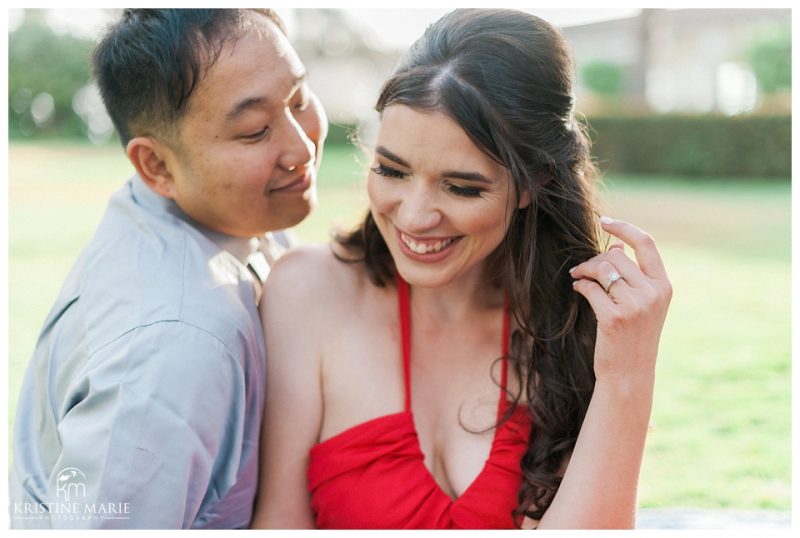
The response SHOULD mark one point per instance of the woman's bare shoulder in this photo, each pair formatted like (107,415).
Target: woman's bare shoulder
(313,275)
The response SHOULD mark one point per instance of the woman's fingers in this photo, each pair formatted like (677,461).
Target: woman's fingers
(610,278)
(628,283)
(642,243)
(629,297)
(600,301)
(615,260)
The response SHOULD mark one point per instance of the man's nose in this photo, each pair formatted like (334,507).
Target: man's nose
(298,147)
(315,122)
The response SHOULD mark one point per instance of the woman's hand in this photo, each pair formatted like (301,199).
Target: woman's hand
(630,299)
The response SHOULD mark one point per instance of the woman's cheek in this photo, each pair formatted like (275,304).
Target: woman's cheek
(379,192)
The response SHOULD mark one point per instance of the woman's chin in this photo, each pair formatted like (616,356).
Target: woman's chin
(427,277)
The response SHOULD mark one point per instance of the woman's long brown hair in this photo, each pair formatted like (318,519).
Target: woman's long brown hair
(506,78)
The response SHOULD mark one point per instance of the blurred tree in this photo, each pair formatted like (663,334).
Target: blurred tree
(45,71)
(605,85)
(604,78)
(770,56)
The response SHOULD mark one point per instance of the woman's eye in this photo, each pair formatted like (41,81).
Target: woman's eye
(467,192)
(302,105)
(383,170)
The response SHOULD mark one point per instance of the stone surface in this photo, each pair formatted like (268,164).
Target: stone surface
(698,518)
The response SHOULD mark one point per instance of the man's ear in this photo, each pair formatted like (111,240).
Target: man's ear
(151,160)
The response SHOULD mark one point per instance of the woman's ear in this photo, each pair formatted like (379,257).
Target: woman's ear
(524,199)
(149,157)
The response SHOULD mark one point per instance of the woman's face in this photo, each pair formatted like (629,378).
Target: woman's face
(441,204)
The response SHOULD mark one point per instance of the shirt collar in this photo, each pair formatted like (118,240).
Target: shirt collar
(240,248)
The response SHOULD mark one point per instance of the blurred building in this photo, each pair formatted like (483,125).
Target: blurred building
(681,60)
(344,68)
(672,60)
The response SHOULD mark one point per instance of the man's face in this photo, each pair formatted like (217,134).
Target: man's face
(251,140)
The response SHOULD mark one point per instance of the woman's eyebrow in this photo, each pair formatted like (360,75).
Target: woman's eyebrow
(471,176)
(458,174)
(391,156)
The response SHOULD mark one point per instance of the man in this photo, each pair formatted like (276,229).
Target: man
(142,403)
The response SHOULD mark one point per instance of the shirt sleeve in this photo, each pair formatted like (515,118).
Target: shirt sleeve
(154,431)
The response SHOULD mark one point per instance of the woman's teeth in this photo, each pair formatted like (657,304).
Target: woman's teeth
(422,248)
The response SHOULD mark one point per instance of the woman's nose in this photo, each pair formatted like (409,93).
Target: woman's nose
(418,211)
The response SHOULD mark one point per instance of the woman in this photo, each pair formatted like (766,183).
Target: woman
(468,357)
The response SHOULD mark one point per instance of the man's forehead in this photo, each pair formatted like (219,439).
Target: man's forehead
(260,62)
(260,43)
(263,100)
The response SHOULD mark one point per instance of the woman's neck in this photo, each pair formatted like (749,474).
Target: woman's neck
(459,299)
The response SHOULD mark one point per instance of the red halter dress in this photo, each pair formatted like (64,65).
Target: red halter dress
(373,475)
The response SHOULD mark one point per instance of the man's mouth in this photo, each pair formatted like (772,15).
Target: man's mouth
(298,184)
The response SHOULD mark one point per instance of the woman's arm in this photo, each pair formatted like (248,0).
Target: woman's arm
(599,488)
(293,412)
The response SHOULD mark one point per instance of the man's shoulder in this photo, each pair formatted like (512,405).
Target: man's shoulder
(151,272)
(159,259)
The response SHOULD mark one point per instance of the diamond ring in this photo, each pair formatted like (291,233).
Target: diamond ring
(613,277)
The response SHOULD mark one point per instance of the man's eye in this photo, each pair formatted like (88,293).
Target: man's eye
(257,135)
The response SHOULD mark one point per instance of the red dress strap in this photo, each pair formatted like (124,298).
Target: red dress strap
(405,331)
(501,406)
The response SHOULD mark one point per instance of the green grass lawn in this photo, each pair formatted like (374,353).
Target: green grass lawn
(720,432)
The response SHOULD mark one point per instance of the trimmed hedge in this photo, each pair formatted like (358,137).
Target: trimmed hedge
(701,145)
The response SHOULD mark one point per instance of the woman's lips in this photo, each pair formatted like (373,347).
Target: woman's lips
(426,249)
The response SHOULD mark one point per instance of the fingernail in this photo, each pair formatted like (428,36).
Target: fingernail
(573,269)
(606,220)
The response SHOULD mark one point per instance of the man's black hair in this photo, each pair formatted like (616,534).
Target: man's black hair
(149,63)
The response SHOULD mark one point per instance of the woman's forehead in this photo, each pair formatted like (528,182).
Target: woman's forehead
(431,135)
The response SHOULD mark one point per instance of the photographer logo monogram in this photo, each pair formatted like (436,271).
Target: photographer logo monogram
(71,484)
(70,505)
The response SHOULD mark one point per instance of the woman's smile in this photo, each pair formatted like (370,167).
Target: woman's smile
(427,249)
